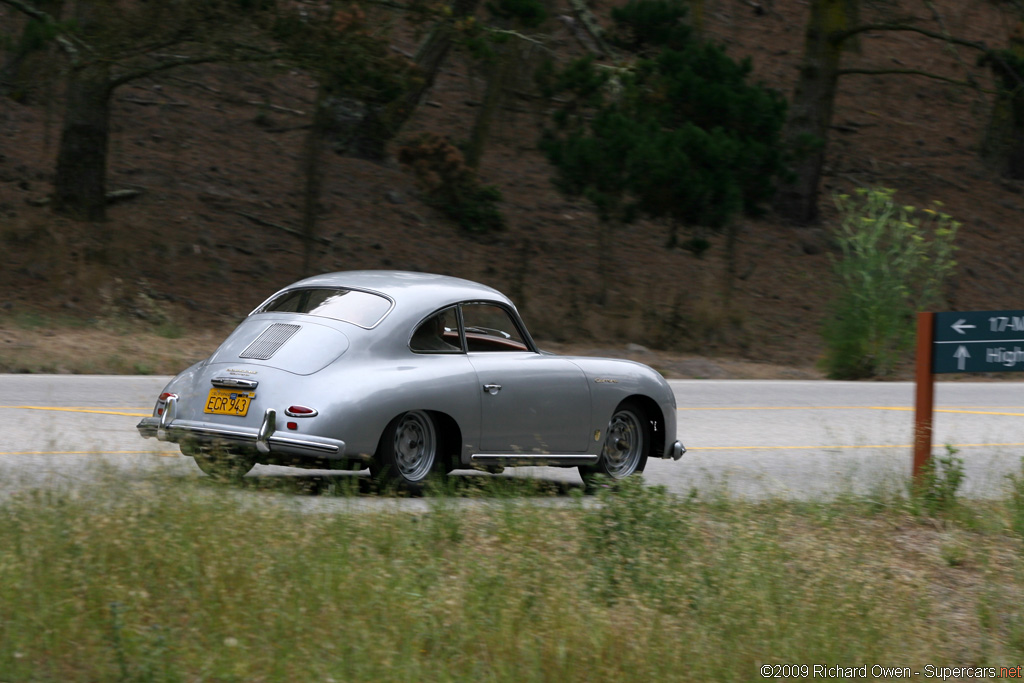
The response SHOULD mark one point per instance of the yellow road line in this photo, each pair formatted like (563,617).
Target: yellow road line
(961,411)
(163,454)
(70,409)
(834,448)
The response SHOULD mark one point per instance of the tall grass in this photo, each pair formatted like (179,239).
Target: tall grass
(893,262)
(173,581)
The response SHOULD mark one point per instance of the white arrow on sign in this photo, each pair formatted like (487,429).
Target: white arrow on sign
(961,356)
(960,325)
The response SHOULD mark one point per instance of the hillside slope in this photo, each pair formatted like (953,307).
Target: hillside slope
(217,152)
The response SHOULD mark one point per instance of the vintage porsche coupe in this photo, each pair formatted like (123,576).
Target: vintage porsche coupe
(411,375)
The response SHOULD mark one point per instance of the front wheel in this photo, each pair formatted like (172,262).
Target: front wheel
(626,445)
(408,451)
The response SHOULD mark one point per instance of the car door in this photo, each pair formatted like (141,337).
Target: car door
(531,403)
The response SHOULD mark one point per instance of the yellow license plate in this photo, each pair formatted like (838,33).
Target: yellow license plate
(228,402)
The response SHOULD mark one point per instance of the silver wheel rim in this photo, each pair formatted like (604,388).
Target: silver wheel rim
(624,444)
(414,445)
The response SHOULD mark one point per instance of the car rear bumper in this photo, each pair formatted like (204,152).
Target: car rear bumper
(265,440)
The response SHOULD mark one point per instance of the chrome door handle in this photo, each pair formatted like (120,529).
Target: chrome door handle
(492,389)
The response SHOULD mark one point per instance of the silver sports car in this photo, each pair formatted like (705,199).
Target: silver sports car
(411,375)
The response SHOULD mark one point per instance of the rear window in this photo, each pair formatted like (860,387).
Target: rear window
(351,306)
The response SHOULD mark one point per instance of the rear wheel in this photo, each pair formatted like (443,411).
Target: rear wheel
(408,452)
(224,465)
(626,445)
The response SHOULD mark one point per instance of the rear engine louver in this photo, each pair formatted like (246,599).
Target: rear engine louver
(267,344)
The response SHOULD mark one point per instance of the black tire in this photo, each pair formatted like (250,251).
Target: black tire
(627,445)
(409,452)
(224,465)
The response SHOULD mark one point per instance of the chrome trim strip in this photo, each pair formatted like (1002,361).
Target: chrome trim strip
(217,432)
(299,443)
(540,458)
(234,383)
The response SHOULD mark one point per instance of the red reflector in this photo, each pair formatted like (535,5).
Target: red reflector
(293,425)
(300,410)
(159,411)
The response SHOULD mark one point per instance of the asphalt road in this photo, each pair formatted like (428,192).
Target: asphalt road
(748,438)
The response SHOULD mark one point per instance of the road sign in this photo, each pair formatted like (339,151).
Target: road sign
(978,341)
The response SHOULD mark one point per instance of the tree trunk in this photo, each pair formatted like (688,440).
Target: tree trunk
(605,261)
(493,94)
(378,128)
(810,112)
(80,187)
(1003,147)
(313,173)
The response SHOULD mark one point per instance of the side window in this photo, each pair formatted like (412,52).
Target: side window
(490,328)
(438,334)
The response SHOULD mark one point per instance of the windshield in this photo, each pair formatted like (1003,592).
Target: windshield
(351,306)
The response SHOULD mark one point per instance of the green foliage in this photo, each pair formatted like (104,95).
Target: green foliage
(680,135)
(596,162)
(893,263)
(935,491)
(1008,67)
(352,60)
(168,579)
(451,186)
(36,36)
(1016,500)
(646,24)
(527,13)
(635,535)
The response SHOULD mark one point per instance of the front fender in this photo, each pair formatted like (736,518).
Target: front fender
(614,380)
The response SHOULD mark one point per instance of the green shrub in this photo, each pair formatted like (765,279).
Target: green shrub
(1016,501)
(636,537)
(451,186)
(893,263)
(936,488)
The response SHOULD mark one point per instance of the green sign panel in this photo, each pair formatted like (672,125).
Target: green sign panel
(978,341)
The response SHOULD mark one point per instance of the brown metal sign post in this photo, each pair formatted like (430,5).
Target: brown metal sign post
(958,342)
(925,392)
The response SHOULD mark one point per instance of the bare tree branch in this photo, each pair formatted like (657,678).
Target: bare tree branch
(840,36)
(518,36)
(971,83)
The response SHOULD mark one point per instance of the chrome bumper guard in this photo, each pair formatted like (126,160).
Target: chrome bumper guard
(266,439)
(676,451)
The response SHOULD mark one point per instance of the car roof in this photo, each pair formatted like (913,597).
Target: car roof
(415,294)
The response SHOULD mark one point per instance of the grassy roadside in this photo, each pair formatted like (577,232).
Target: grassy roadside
(40,345)
(176,581)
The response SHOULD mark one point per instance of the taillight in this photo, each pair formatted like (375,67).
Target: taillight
(300,411)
